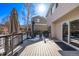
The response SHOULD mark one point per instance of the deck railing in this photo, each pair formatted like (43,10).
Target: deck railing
(9,42)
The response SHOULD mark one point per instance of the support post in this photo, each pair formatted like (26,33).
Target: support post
(68,32)
(22,38)
(11,46)
(6,45)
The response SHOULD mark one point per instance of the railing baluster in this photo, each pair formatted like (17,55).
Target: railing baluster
(10,42)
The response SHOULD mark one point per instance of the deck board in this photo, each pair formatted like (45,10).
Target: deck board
(42,49)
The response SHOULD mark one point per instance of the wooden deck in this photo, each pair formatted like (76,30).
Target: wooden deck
(50,48)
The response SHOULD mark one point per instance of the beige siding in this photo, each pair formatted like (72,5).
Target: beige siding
(62,9)
(53,30)
(73,15)
(41,27)
(49,20)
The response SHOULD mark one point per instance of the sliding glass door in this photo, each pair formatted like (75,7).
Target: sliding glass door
(71,32)
(74,33)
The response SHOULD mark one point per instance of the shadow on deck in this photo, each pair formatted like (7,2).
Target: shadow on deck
(25,43)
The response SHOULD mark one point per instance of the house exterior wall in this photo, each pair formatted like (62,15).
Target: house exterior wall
(62,9)
(57,25)
(50,12)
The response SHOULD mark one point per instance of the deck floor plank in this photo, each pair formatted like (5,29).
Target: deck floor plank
(41,49)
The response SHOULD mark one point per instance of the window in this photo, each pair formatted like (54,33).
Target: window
(56,5)
(65,32)
(38,20)
(74,33)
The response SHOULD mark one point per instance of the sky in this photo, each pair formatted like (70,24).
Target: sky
(35,9)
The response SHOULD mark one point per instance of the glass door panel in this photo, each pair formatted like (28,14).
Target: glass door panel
(65,32)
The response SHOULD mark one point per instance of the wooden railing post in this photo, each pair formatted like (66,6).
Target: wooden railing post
(11,45)
(6,45)
(21,37)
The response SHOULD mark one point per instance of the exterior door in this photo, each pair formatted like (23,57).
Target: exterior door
(65,32)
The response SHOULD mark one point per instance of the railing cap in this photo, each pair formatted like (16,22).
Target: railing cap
(1,36)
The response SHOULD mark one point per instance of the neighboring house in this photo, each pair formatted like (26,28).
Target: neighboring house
(23,28)
(3,29)
(64,22)
(40,23)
